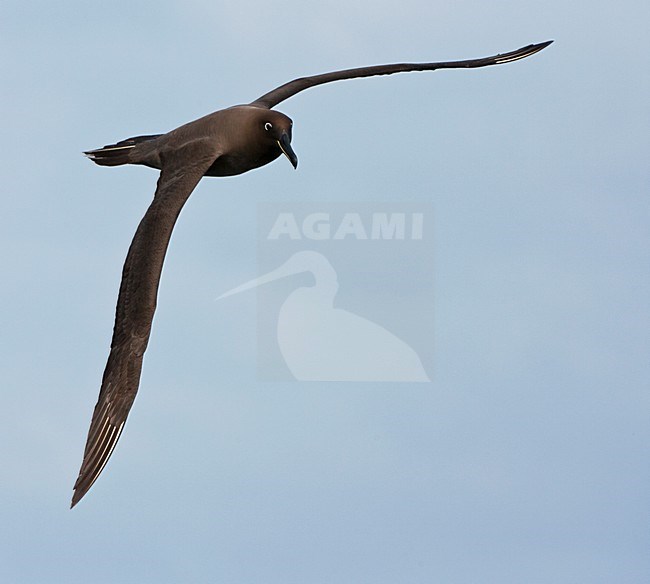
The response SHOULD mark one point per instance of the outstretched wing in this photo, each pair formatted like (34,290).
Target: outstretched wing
(136,305)
(279,94)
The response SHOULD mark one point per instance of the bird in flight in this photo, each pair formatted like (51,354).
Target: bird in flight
(225,143)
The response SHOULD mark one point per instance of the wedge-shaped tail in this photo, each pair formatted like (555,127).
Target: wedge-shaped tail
(120,153)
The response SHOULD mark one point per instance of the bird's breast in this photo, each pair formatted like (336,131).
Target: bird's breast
(234,163)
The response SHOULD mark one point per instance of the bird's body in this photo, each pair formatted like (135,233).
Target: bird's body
(225,143)
(236,133)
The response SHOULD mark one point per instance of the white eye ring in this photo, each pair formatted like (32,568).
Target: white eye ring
(268,126)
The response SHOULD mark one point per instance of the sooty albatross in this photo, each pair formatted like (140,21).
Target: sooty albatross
(224,143)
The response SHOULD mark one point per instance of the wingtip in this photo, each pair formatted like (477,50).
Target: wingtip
(537,47)
(78,492)
(519,54)
(75,499)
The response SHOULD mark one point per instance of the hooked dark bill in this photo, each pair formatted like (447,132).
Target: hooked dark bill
(285,145)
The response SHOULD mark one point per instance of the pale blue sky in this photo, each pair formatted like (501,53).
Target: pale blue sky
(526,460)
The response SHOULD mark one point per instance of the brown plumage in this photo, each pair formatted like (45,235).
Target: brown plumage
(228,142)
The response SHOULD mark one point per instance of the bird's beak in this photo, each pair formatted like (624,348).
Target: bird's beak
(285,145)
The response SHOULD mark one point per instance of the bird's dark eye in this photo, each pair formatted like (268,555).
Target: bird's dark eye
(268,126)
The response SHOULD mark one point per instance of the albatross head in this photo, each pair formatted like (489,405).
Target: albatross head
(277,128)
